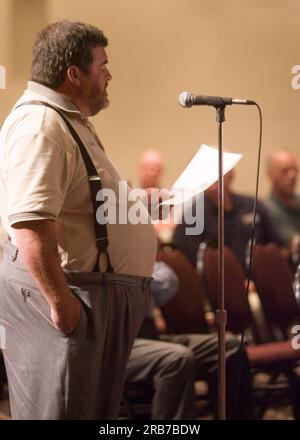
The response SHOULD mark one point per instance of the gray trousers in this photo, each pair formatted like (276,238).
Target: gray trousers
(174,363)
(171,370)
(77,376)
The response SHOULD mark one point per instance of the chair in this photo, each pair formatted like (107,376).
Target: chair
(238,310)
(274,281)
(136,401)
(297,286)
(184,313)
(273,357)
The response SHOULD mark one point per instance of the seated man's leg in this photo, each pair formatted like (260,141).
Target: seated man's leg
(171,369)
(205,349)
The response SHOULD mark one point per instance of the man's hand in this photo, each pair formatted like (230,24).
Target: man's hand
(65,316)
(37,244)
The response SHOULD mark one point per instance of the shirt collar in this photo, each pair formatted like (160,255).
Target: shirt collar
(46,94)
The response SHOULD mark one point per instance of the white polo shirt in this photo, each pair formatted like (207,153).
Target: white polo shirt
(42,176)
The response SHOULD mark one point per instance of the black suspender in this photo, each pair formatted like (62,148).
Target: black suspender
(95,186)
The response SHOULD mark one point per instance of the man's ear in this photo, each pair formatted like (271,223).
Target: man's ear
(74,75)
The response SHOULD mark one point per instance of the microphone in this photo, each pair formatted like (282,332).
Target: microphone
(187,99)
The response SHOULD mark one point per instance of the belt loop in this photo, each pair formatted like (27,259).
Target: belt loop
(146,283)
(104,277)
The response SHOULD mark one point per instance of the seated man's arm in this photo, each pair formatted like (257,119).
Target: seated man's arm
(164,284)
(37,244)
(271,227)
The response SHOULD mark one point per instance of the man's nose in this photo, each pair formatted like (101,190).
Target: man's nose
(292,174)
(108,74)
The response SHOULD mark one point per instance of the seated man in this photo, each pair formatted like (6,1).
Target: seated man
(238,216)
(172,363)
(150,169)
(283,203)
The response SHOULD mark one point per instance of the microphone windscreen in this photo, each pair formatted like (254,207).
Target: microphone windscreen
(182,99)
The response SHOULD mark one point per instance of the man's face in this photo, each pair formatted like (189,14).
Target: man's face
(212,192)
(151,173)
(95,81)
(150,169)
(283,174)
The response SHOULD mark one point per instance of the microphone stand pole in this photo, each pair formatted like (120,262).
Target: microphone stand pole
(221,313)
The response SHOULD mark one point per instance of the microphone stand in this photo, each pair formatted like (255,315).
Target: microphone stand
(221,313)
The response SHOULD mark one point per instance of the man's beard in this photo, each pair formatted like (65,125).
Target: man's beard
(96,101)
(96,106)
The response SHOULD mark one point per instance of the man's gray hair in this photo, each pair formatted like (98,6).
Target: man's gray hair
(61,45)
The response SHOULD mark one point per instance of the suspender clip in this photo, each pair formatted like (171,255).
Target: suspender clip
(93,178)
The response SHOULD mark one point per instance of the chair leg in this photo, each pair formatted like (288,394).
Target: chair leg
(126,407)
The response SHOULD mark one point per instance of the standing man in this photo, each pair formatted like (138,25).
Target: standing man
(73,293)
(283,203)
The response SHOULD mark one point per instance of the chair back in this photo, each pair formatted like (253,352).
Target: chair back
(236,303)
(274,280)
(184,313)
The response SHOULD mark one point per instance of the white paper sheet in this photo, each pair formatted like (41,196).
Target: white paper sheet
(201,172)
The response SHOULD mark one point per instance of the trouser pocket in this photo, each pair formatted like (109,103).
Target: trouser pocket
(41,308)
